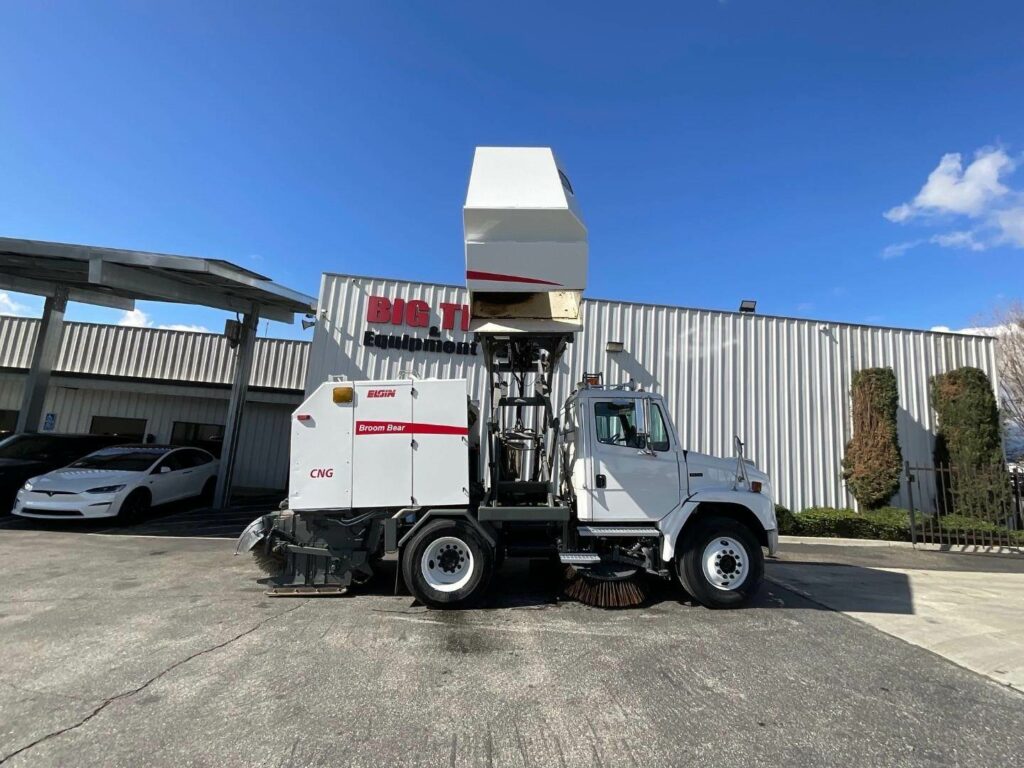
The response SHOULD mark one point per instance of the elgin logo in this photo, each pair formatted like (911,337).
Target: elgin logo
(321,472)
(381,393)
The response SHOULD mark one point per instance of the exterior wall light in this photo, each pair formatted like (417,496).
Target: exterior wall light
(613,347)
(748,305)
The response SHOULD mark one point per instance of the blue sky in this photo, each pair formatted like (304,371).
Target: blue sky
(802,153)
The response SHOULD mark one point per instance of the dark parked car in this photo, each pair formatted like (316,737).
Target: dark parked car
(26,455)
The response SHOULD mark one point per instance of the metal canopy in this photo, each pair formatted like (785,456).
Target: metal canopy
(117,278)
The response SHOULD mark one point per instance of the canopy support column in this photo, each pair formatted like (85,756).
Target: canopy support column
(239,390)
(44,357)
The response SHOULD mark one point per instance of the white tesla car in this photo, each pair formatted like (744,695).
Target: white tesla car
(123,481)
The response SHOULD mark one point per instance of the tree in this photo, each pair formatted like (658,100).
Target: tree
(873,462)
(1008,328)
(969,442)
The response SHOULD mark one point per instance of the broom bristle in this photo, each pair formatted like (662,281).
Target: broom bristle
(604,593)
(271,564)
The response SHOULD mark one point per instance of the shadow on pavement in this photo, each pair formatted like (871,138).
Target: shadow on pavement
(845,587)
(537,584)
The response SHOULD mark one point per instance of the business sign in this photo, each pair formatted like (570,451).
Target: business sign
(382,312)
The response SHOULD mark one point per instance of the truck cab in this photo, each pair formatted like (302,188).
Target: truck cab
(624,465)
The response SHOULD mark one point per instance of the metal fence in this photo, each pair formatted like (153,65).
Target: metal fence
(981,506)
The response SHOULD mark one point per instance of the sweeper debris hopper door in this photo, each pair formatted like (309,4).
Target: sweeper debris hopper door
(526,244)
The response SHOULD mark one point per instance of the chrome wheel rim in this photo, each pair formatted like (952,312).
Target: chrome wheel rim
(447,564)
(725,563)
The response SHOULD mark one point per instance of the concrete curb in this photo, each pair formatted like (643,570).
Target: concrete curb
(971,549)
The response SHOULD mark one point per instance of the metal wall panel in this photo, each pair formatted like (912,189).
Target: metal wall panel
(781,384)
(154,353)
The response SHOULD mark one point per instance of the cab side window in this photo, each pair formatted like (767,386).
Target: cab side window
(616,423)
(659,433)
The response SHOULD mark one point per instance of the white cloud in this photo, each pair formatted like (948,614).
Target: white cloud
(136,318)
(896,250)
(1011,226)
(959,239)
(976,195)
(952,189)
(8,306)
(188,328)
(984,330)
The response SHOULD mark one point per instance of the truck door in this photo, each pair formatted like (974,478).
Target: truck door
(632,481)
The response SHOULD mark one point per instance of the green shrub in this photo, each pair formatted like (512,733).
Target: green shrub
(786,521)
(872,464)
(885,523)
(969,442)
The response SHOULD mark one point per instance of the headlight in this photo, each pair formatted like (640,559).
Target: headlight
(27,486)
(106,489)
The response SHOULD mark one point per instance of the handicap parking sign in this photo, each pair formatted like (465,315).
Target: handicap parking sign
(49,422)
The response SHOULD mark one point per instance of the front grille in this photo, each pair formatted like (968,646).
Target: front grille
(52,512)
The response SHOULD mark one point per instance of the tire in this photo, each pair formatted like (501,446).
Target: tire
(209,488)
(447,564)
(721,563)
(134,507)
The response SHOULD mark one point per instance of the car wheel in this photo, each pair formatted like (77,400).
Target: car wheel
(447,564)
(209,487)
(721,563)
(134,507)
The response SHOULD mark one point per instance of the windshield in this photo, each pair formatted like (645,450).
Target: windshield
(121,459)
(27,447)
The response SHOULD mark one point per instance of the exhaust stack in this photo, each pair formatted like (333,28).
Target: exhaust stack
(526,244)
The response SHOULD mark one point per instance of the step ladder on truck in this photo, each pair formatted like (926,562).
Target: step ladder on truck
(412,470)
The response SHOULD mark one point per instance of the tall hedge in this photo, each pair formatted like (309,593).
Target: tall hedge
(969,443)
(873,462)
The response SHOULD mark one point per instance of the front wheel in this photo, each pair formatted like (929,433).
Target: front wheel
(721,563)
(447,564)
(134,507)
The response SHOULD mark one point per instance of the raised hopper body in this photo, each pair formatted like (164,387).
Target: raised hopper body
(526,244)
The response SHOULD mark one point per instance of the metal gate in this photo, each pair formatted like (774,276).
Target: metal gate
(981,506)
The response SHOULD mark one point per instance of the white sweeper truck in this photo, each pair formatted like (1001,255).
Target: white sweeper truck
(412,470)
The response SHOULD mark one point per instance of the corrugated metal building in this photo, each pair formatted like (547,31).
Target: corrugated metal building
(781,384)
(173,385)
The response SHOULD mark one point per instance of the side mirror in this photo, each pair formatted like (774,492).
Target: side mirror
(641,417)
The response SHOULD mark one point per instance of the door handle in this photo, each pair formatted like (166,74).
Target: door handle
(601,481)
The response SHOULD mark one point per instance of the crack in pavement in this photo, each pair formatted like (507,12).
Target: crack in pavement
(127,694)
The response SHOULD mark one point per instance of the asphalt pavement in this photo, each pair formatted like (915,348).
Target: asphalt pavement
(125,650)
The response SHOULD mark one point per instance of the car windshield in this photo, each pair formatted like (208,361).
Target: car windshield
(121,459)
(27,447)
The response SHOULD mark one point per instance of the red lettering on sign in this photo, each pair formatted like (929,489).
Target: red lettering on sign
(448,315)
(378,310)
(321,472)
(417,314)
(380,393)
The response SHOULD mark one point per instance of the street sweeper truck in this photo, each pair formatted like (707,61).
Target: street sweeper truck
(410,469)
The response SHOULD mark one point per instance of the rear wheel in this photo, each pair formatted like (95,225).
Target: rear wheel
(447,564)
(134,507)
(721,563)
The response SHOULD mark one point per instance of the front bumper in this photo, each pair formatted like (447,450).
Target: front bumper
(66,506)
(773,541)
